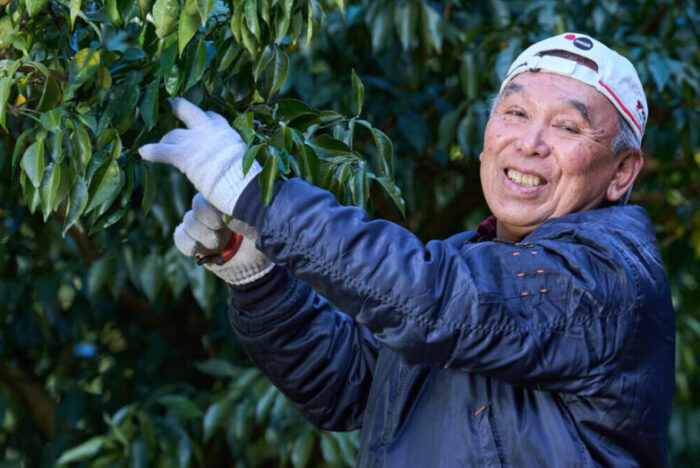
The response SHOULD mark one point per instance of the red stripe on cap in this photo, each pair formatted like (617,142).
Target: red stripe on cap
(639,127)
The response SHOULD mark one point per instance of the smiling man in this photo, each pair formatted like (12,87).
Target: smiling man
(543,338)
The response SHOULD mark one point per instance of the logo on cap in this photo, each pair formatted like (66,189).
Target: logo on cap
(583,43)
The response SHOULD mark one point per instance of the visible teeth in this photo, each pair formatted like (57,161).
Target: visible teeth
(523,179)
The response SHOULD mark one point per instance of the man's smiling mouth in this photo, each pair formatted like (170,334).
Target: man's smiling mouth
(526,180)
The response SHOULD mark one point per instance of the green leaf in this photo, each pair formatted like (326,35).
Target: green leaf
(249,41)
(251,17)
(262,408)
(83,451)
(49,188)
(405,19)
(99,274)
(149,192)
(330,450)
(83,66)
(77,202)
(381,26)
(82,148)
(301,453)
(237,22)
(310,164)
(149,104)
(35,6)
(51,120)
(50,96)
(204,7)
(469,76)
(432,27)
(33,162)
(244,125)
(31,194)
(188,25)
(394,193)
(74,10)
(214,416)
(329,146)
(181,404)
(151,275)
(447,129)
(358,92)
(165,14)
(249,157)
(281,27)
(262,61)
(660,69)
(290,109)
(266,179)
(360,186)
(105,184)
(199,64)
(216,368)
(5,84)
(384,147)
(20,145)
(115,16)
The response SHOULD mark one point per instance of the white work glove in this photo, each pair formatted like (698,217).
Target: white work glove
(230,256)
(209,152)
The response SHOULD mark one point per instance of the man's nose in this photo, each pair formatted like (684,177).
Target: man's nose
(533,141)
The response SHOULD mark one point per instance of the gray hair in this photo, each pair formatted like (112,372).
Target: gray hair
(625,140)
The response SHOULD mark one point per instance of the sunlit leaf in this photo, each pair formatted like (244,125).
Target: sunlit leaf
(266,179)
(83,451)
(83,66)
(35,6)
(33,162)
(358,92)
(188,24)
(77,202)
(105,184)
(49,188)
(165,14)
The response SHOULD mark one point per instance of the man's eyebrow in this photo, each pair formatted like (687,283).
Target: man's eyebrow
(512,88)
(581,107)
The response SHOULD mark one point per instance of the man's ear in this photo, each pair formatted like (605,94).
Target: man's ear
(628,168)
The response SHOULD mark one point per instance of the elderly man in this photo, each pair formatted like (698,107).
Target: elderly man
(543,338)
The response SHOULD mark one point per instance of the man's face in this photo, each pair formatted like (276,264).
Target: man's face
(547,152)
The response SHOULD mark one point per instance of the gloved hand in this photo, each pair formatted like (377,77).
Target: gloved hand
(230,256)
(209,152)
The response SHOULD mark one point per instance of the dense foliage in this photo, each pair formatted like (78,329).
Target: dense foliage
(115,349)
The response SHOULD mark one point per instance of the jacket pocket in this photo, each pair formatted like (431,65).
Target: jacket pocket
(489,435)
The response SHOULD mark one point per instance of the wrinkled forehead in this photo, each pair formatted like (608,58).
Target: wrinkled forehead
(551,90)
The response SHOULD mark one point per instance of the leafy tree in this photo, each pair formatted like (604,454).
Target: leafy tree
(114,348)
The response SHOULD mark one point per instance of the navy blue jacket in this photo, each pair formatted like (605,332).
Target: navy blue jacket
(554,351)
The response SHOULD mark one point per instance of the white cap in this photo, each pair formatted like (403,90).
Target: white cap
(616,77)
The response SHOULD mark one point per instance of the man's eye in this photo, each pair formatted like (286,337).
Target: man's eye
(570,128)
(515,112)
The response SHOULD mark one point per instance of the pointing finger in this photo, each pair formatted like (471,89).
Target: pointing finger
(188,113)
(162,153)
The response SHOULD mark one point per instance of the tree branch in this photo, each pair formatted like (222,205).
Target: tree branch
(32,396)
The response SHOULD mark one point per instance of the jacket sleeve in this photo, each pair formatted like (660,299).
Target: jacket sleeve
(318,357)
(557,314)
